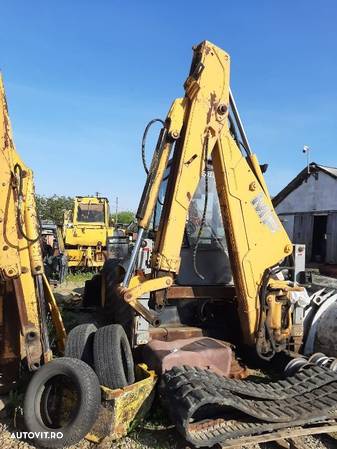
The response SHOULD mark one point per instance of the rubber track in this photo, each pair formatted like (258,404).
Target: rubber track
(193,395)
(304,381)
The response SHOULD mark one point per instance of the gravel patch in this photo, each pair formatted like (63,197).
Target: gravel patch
(144,438)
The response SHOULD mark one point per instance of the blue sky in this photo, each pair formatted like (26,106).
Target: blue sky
(84,77)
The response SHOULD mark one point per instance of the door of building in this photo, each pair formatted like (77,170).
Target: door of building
(331,242)
(303,227)
(319,238)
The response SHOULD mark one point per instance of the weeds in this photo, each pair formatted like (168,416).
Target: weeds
(79,277)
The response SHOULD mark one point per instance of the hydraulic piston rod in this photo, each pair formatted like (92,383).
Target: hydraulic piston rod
(133,258)
(239,123)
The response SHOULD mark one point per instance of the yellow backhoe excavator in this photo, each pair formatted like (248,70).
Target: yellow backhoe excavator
(217,276)
(203,134)
(203,137)
(28,308)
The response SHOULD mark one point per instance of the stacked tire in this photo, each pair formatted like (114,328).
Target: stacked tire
(93,357)
(106,349)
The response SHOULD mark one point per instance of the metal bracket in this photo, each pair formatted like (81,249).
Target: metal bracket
(131,296)
(31,335)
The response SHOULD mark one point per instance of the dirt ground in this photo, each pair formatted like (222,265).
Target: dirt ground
(141,438)
(151,434)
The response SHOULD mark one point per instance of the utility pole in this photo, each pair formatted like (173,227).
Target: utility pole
(116,216)
(306,150)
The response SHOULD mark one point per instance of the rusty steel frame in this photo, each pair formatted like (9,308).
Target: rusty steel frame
(283,434)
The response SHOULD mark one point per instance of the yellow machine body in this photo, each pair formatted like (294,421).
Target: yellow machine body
(198,131)
(124,407)
(85,232)
(25,295)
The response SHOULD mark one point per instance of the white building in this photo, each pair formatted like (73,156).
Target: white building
(307,207)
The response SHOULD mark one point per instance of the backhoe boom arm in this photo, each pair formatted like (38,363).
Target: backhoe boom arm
(255,236)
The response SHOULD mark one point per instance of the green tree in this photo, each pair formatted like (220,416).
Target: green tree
(124,217)
(53,207)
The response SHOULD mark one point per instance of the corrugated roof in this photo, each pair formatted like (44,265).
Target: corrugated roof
(300,178)
(330,170)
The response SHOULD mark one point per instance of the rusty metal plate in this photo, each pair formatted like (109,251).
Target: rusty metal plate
(204,352)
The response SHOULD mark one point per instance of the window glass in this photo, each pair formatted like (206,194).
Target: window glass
(213,234)
(90,213)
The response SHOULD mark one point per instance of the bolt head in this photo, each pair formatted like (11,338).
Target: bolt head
(222,109)
(252,186)
(175,134)
(288,249)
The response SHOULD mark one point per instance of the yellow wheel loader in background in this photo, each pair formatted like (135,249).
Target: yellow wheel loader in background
(85,231)
(28,310)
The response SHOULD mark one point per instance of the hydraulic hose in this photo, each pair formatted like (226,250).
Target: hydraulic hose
(148,126)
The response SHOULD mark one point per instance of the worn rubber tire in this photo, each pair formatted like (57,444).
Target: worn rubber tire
(80,341)
(113,361)
(88,405)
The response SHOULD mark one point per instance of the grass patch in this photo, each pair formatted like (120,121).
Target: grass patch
(16,397)
(79,277)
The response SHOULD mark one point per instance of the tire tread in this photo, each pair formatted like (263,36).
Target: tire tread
(108,361)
